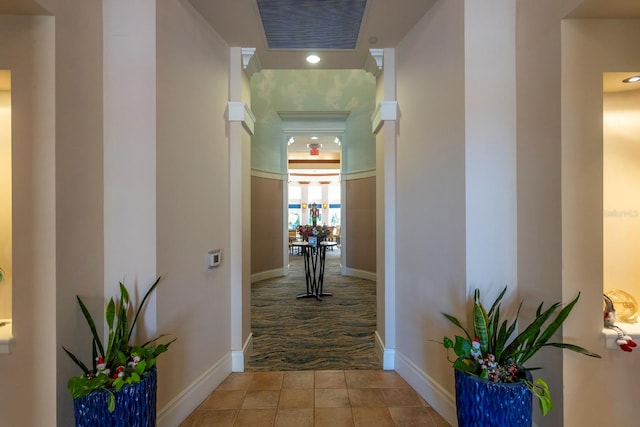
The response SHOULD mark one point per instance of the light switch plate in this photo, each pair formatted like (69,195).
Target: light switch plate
(215,258)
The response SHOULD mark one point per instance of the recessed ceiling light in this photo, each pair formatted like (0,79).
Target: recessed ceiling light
(313,59)
(314,137)
(632,79)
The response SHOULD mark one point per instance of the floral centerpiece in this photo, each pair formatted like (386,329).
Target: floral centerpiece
(491,352)
(319,231)
(119,363)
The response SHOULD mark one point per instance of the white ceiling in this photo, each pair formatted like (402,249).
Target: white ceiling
(300,149)
(385,23)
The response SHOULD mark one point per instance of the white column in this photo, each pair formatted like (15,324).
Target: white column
(129,101)
(325,203)
(490,146)
(304,200)
(241,126)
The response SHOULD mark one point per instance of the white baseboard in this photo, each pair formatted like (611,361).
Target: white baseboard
(359,273)
(176,411)
(264,275)
(439,398)
(240,358)
(386,355)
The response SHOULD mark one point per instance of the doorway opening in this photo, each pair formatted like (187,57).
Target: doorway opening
(314,185)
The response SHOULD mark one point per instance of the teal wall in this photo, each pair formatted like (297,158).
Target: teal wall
(274,91)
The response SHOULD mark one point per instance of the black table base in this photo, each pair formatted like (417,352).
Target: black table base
(314,260)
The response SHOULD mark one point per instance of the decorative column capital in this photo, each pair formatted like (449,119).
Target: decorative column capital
(374,61)
(250,61)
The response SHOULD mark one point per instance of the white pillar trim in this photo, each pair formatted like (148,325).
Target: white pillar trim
(385,111)
(239,111)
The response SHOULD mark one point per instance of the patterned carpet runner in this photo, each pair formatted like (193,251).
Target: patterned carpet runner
(307,334)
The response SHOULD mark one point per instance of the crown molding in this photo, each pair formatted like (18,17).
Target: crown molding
(250,61)
(374,61)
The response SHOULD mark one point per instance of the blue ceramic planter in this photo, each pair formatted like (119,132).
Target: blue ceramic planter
(135,406)
(481,403)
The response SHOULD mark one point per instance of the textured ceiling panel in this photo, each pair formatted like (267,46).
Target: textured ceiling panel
(311,24)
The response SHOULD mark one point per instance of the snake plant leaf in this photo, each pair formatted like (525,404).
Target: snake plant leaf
(92,325)
(122,328)
(456,322)
(575,348)
(562,316)
(94,354)
(110,313)
(124,293)
(496,303)
(144,300)
(501,339)
(515,349)
(151,341)
(480,320)
(77,361)
(552,328)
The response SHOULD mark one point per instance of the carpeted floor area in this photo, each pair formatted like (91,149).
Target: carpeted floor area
(305,334)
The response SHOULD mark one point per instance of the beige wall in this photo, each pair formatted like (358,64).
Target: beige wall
(430,239)
(490,148)
(79,182)
(193,199)
(6,258)
(266,224)
(591,47)
(360,225)
(192,214)
(28,379)
(540,226)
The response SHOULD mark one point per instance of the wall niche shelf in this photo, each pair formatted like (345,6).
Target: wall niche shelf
(6,336)
(632,329)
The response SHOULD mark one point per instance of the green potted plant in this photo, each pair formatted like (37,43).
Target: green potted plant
(490,363)
(119,386)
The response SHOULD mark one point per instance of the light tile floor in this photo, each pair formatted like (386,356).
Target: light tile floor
(314,399)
